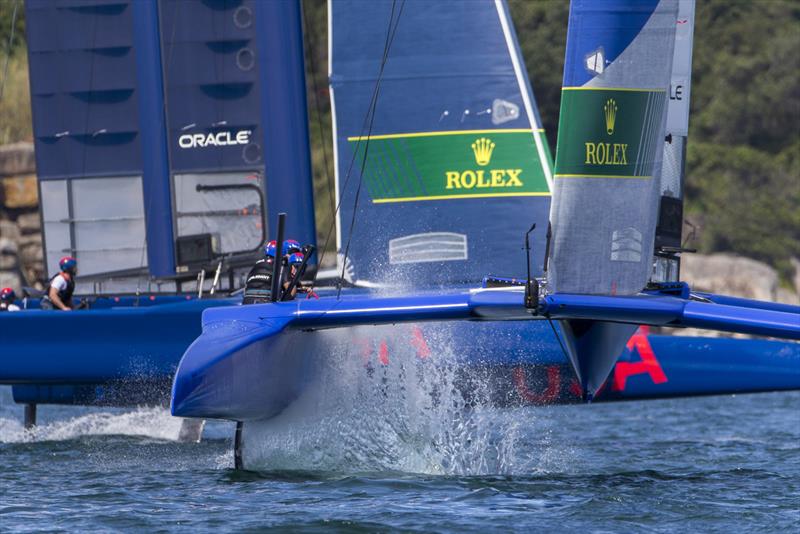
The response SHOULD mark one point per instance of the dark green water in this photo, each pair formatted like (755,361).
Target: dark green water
(725,464)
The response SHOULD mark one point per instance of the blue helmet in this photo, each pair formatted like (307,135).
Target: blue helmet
(290,246)
(296,258)
(68,264)
(7,295)
(269,249)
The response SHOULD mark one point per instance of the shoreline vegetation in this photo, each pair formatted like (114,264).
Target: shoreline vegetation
(743,169)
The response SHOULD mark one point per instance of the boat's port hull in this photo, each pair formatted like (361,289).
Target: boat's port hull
(513,362)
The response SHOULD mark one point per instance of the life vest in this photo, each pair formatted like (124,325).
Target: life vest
(65,294)
(258,285)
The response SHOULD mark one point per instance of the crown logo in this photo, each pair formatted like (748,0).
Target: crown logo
(483,150)
(610,110)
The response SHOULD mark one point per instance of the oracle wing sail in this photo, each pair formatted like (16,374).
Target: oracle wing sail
(166,135)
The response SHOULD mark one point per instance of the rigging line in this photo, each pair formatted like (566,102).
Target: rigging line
(386,46)
(311,47)
(8,50)
(358,143)
(389,39)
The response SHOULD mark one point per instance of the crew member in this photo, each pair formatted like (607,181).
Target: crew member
(258,285)
(7,298)
(294,263)
(290,246)
(61,286)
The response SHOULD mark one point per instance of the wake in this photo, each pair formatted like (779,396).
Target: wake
(154,423)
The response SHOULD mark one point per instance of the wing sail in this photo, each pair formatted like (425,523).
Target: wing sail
(456,166)
(611,131)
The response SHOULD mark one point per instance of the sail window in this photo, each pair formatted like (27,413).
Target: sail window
(428,247)
(99,221)
(504,111)
(596,61)
(626,245)
(229,206)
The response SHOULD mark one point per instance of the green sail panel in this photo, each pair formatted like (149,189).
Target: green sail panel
(608,133)
(416,167)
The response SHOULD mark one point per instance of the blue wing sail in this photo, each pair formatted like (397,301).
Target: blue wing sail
(457,166)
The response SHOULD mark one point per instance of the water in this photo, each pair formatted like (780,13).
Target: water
(709,464)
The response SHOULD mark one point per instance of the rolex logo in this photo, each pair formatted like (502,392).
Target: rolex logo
(483,148)
(610,110)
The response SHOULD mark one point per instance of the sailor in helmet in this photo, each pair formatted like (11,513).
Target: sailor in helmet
(294,263)
(290,246)
(258,284)
(61,286)
(7,298)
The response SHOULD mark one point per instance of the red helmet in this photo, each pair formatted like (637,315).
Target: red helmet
(296,258)
(7,295)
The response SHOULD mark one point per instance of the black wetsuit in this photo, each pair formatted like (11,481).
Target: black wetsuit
(258,286)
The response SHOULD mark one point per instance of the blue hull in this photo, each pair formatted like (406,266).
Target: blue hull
(113,341)
(250,367)
(120,354)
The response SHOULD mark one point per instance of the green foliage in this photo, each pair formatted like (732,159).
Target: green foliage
(319,114)
(743,181)
(745,74)
(15,104)
(746,201)
(7,14)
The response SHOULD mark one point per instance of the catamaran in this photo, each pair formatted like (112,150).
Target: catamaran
(150,177)
(471,151)
(454,170)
